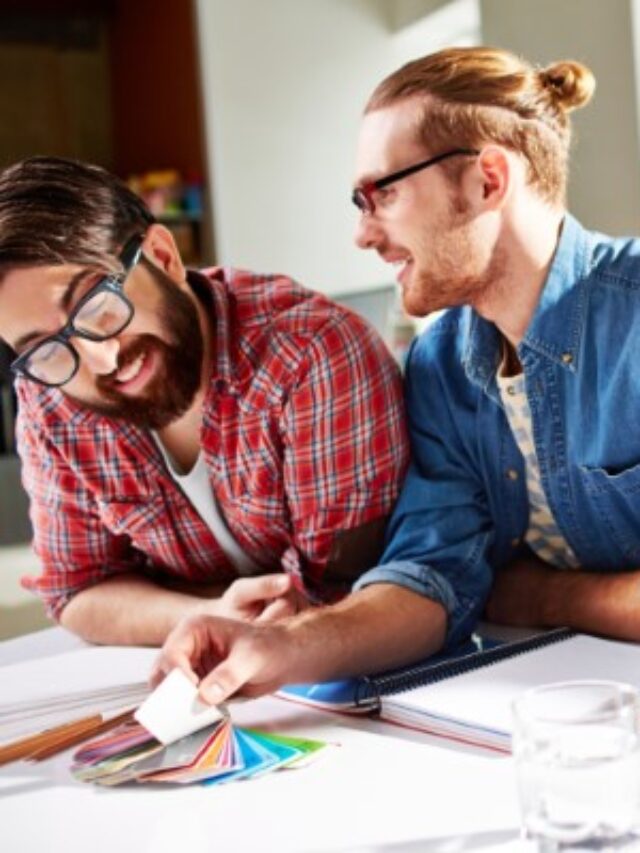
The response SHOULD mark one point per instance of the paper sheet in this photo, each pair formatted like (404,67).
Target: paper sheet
(174,710)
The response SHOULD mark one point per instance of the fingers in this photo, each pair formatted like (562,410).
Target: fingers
(255,662)
(157,674)
(219,685)
(184,648)
(278,609)
(264,588)
(197,645)
(165,663)
(229,655)
(230,676)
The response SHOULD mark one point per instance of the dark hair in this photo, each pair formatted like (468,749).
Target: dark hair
(57,211)
(475,95)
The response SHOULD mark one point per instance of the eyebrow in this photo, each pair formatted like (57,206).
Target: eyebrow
(63,303)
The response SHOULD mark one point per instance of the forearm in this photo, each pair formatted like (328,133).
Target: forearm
(129,610)
(607,604)
(373,629)
(531,593)
(376,628)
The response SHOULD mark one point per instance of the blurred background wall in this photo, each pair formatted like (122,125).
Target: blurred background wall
(288,91)
(284,94)
(237,120)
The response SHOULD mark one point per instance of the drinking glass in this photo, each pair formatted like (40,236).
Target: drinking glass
(576,746)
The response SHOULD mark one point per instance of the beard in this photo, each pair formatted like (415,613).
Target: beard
(461,269)
(170,392)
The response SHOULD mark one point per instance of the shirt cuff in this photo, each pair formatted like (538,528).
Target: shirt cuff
(423,580)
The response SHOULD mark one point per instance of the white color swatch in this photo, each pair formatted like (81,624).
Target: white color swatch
(174,710)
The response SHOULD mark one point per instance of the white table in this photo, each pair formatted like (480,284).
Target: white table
(379,788)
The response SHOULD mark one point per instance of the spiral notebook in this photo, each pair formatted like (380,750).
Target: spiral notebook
(469,696)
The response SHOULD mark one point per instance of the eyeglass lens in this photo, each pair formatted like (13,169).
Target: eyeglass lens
(362,201)
(101,317)
(53,363)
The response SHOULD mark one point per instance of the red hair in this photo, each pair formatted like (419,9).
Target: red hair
(476,95)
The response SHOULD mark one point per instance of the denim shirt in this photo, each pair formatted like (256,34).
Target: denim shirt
(464,510)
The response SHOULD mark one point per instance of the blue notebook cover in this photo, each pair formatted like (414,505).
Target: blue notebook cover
(360,695)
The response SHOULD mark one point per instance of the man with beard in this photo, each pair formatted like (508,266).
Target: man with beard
(523,495)
(211,442)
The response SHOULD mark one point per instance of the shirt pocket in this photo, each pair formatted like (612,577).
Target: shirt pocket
(616,499)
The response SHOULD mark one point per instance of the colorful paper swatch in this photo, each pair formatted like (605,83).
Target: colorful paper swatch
(174,709)
(217,754)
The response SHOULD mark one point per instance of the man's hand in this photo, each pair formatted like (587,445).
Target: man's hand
(228,656)
(266,598)
(373,629)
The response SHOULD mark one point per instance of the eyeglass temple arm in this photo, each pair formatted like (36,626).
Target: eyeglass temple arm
(131,252)
(410,170)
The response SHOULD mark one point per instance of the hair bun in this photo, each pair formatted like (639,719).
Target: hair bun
(571,84)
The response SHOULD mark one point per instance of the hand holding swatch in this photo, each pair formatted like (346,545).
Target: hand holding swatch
(175,738)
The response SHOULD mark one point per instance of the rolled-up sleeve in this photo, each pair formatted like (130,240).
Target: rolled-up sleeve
(441,531)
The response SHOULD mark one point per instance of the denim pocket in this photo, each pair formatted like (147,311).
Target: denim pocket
(616,498)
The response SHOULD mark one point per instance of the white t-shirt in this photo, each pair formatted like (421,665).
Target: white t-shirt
(197,487)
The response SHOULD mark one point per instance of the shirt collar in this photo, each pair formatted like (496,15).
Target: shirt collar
(556,327)
(223,372)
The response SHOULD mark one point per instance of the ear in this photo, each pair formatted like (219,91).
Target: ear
(160,248)
(495,174)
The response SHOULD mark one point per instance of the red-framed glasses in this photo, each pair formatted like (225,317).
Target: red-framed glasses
(362,196)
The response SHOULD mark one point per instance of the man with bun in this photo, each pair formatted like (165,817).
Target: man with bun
(523,495)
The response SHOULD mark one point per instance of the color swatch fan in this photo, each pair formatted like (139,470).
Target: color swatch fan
(176,739)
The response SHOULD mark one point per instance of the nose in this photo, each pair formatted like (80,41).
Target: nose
(100,357)
(368,233)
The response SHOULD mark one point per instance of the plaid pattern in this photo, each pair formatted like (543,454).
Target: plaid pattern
(303,436)
(543,535)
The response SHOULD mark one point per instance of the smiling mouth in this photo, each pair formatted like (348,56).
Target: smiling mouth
(131,370)
(135,374)
(401,267)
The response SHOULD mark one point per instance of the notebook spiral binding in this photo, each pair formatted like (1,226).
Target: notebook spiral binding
(371,689)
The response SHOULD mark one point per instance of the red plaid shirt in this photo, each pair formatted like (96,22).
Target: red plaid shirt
(303,435)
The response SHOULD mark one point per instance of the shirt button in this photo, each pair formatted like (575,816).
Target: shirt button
(512,474)
(567,358)
(515,543)
(511,390)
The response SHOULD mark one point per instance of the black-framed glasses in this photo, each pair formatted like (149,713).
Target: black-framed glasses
(102,313)
(362,196)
